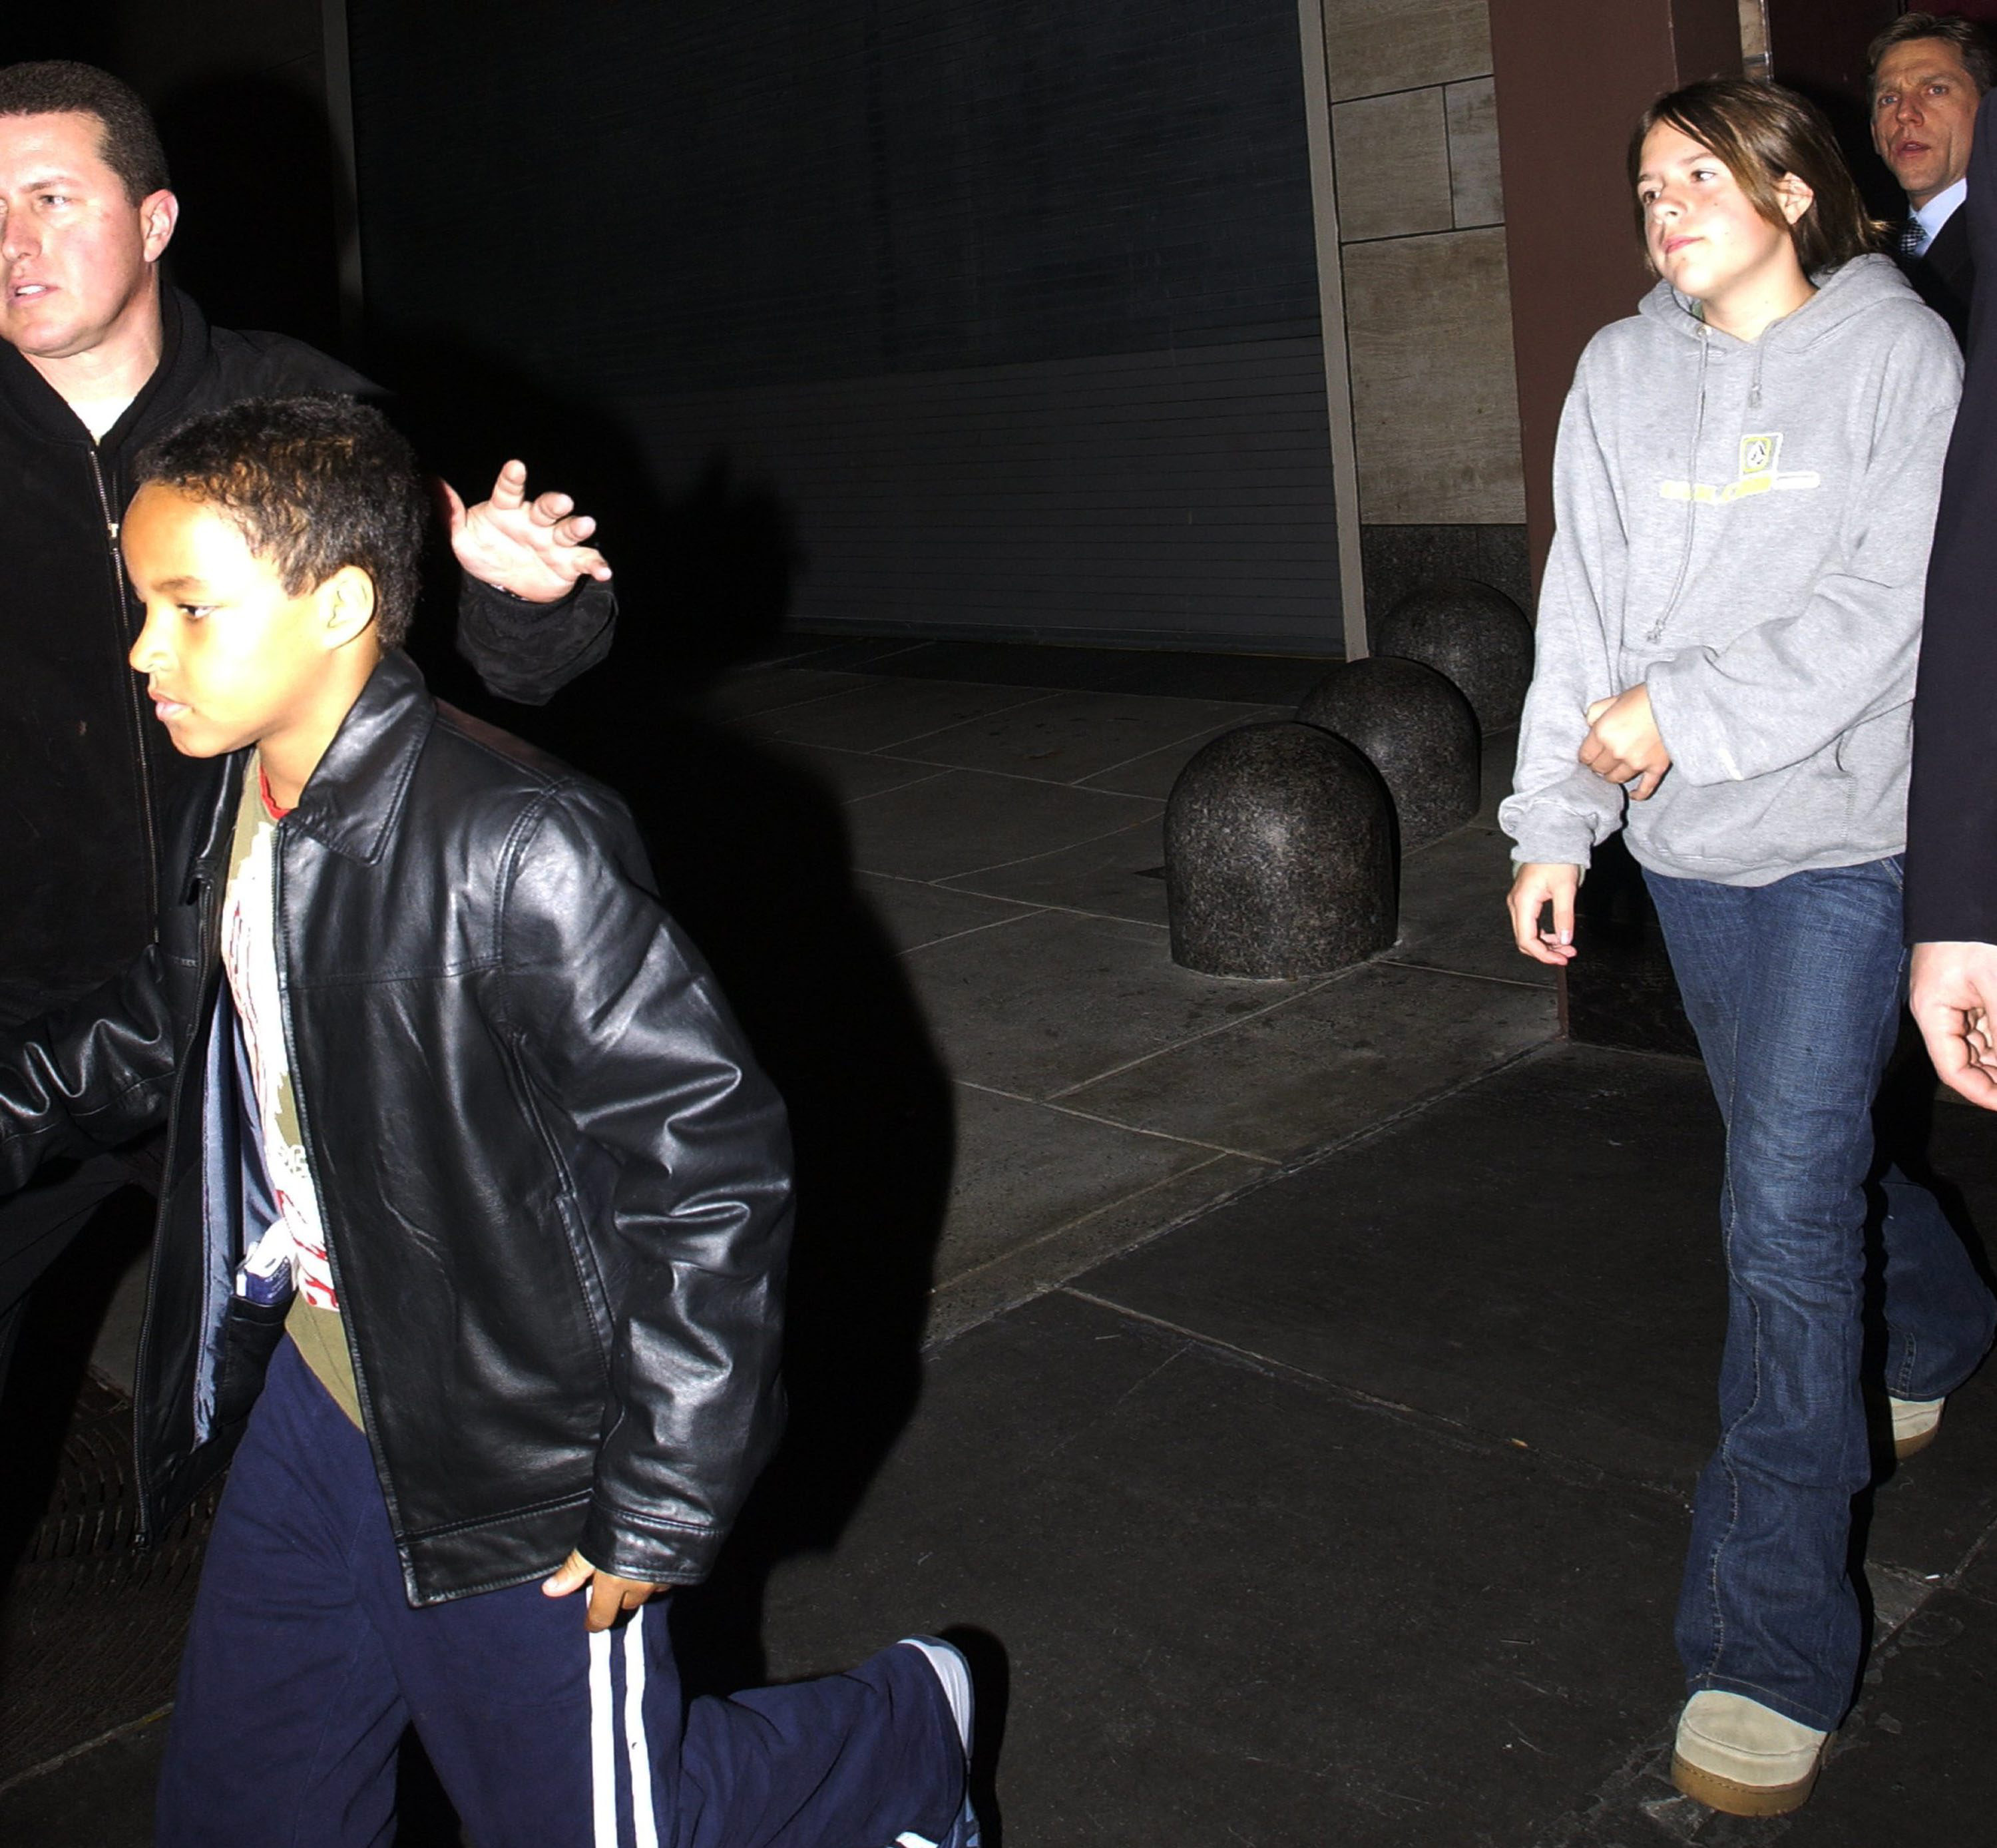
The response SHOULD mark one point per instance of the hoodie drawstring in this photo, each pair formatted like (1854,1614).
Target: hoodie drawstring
(1657,629)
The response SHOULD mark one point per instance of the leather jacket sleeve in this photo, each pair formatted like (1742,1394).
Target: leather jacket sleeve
(529,652)
(621,1028)
(94,1074)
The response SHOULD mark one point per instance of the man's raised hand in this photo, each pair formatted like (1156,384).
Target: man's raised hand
(533,549)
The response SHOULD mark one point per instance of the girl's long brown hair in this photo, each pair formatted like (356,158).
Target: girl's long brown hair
(1759,132)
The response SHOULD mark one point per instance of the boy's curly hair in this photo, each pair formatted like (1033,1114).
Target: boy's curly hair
(312,483)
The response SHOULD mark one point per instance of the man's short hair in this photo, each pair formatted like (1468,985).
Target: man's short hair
(312,485)
(1971,42)
(58,87)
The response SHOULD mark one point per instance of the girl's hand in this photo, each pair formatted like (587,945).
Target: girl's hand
(1622,744)
(1536,887)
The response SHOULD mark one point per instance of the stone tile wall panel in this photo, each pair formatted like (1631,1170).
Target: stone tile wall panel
(1393,161)
(1375,46)
(1434,400)
(1476,190)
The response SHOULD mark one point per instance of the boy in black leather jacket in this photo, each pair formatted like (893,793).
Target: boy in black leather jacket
(472,1237)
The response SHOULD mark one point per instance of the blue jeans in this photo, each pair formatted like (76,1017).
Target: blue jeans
(1795,991)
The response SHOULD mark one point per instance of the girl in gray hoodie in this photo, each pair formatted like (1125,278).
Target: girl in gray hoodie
(1745,484)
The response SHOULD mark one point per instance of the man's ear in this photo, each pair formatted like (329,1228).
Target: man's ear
(347,606)
(158,214)
(1795,196)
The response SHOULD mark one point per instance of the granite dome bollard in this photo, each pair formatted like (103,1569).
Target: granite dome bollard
(1414,728)
(1279,855)
(1475,637)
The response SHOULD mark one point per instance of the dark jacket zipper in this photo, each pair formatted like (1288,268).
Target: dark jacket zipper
(209,890)
(132,706)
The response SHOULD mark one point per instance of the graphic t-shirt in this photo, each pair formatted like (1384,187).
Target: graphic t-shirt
(298,1235)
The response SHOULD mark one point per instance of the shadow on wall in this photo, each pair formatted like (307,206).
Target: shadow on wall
(751,851)
(754,859)
(86,30)
(705,570)
(257,244)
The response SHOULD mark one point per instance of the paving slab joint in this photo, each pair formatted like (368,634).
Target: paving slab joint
(88,1745)
(1297,1164)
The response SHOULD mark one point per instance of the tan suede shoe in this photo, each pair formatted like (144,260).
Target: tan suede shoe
(1735,1755)
(1916,1422)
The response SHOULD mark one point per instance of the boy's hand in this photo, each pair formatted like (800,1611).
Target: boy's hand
(1623,742)
(1536,886)
(534,549)
(1952,993)
(610,1597)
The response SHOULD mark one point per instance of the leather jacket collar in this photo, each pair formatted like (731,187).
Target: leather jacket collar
(353,799)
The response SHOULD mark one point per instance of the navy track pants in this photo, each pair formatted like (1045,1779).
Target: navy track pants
(305,1661)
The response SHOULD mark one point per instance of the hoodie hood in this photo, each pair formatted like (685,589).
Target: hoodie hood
(1843,294)
(1743,528)
(1847,290)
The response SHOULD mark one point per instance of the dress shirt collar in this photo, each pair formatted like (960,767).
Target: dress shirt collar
(1938,210)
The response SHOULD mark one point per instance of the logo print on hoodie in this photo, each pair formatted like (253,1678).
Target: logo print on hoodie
(1760,473)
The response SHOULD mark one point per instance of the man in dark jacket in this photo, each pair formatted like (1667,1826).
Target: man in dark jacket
(1927,72)
(1951,899)
(96,360)
(473,1238)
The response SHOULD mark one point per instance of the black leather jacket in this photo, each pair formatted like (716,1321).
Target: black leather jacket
(86,774)
(555,1187)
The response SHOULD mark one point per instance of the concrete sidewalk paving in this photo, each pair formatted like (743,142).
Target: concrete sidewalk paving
(1352,1511)
(1009,832)
(996,814)
(1317,1372)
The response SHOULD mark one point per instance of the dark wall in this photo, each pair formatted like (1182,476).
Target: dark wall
(1818,46)
(1573,76)
(87,30)
(711,194)
(1036,279)
(238,88)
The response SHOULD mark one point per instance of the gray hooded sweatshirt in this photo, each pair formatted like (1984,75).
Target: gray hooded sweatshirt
(1743,527)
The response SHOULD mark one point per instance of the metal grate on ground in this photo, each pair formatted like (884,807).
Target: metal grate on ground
(91,1626)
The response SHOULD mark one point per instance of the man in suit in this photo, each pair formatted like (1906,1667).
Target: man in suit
(1951,865)
(1927,74)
